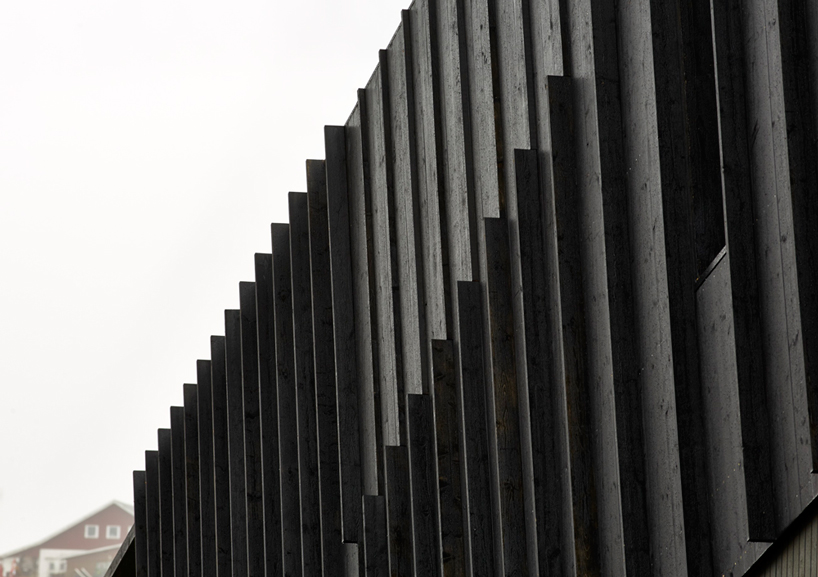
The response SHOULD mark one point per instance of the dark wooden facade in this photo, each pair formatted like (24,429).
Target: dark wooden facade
(548,307)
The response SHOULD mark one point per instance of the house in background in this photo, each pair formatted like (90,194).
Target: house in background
(88,541)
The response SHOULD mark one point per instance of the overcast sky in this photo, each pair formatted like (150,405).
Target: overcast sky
(145,147)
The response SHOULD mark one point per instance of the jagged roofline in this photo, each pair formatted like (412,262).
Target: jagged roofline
(566,218)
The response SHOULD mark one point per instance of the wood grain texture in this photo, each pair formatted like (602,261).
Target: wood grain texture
(165,500)
(376,553)
(448,427)
(324,363)
(542,399)
(573,369)
(235,436)
(741,244)
(140,525)
(305,385)
(254,516)
(408,222)
(423,475)
(399,511)
(387,321)
(799,58)
(221,456)
(287,402)
(506,397)
(693,222)
(364,292)
(268,413)
(481,552)
(428,157)
(343,324)
(194,527)
(207,508)
(177,432)
(153,522)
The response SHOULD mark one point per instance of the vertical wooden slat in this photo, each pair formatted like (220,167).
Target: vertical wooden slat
(252,429)
(480,544)
(376,553)
(572,370)
(152,517)
(537,297)
(324,351)
(426,536)
(194,531)
(207,509)
(399,511)
(287,404)
(685,169)
(166,501)
(387,321)
(506,398)
(458,217)
(235,435)
(776,258)
(268,405)
(612,361)
(351,566)
(177,433)
(140,524)
(410,239)
(221,457)
(482,82)
(737,190)
(360,237)
(447,424)
(429,157)
(799,51)
(720,420)
(343,324)
(305,384)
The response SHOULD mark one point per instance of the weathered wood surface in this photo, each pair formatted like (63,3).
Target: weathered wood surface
(252,429)
(268,407)
(207,508)
(506,398)
(399,511)
(177,433)
(153,520)
(425,515)
(287,401)
(166,500)
(448,428)
(221,456)
(548,307)
(741,244)
(481,553)
(343,324)
(376,553)
(305,385)
(235,437)
(325,391)
(194,526)
(140,524)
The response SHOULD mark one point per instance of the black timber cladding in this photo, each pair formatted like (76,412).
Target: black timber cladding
(549,306)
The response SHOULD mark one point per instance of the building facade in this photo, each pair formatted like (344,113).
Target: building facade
(549,306)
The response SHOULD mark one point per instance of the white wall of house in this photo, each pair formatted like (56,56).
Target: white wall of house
(56,556)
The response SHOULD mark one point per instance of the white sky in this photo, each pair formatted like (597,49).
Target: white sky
(145,147)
